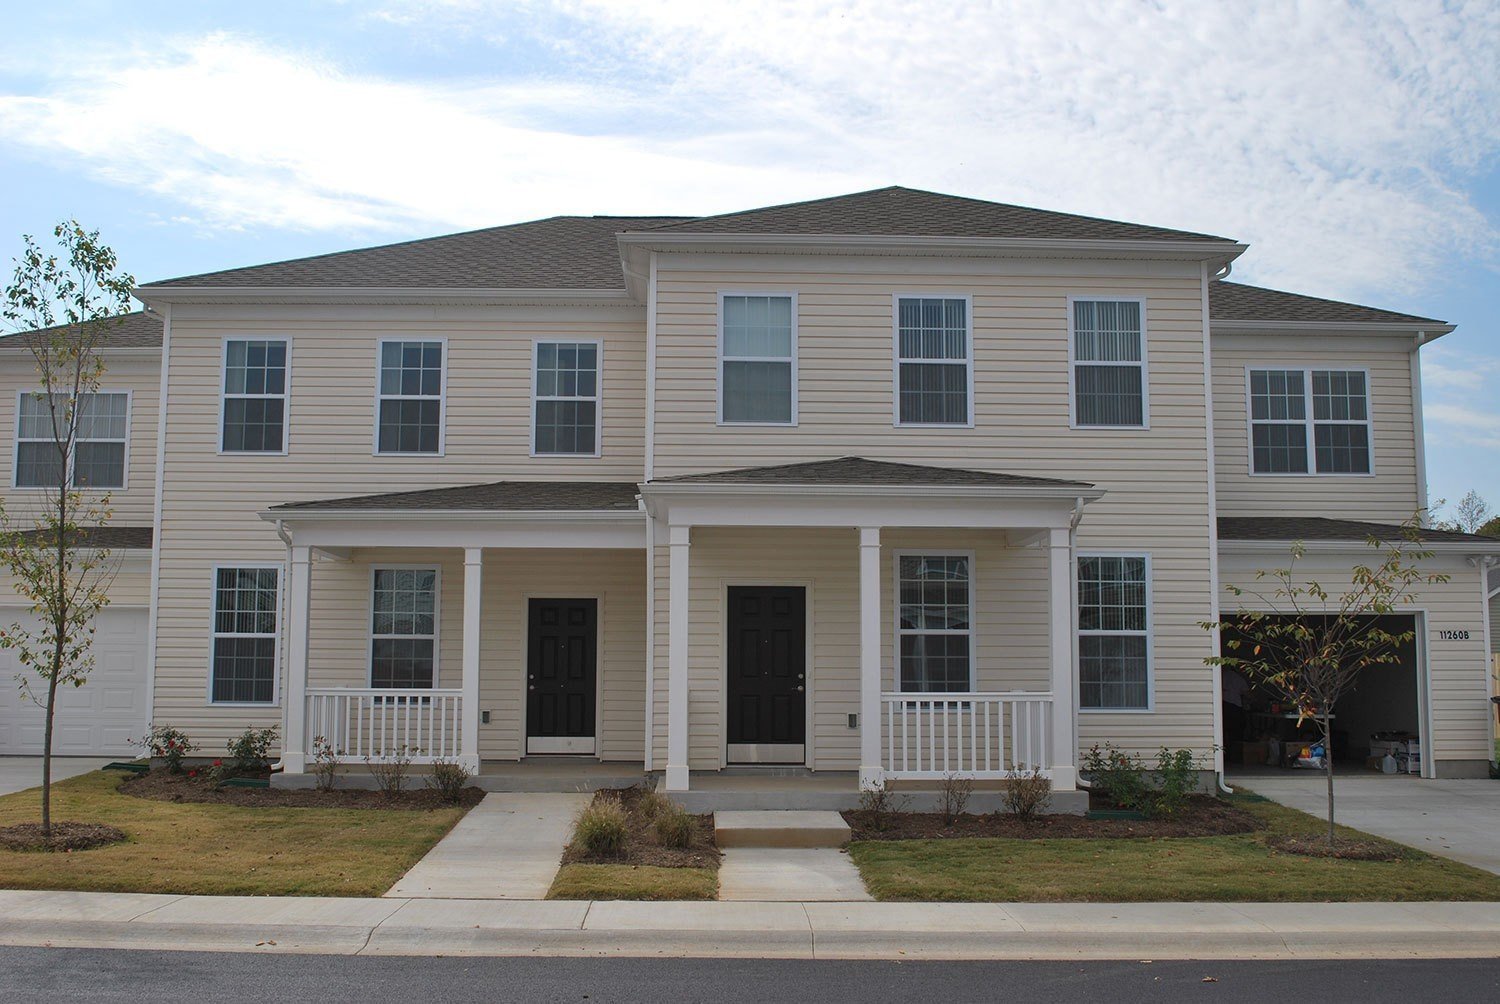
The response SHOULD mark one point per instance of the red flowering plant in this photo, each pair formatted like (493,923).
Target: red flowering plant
(168,744)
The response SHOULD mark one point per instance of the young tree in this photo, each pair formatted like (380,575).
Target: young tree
(68,299)
(1471,514)
(1308,645)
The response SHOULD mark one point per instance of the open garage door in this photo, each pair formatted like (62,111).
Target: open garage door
(99,718)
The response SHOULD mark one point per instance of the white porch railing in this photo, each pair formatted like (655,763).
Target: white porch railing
(363,723)
(931,736)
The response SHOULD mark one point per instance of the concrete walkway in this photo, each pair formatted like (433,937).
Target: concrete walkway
(506,847)
(17,773)
(759,930)
(790,875)
(1454,819)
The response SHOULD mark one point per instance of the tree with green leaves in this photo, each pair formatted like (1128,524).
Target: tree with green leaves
(1308,644)
(67,298)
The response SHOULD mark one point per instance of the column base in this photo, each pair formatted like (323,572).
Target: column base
(676,777)
(871,778)
(294,763)
(1064,778)
(469,763)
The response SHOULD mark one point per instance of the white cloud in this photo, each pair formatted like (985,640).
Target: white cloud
(1337,139)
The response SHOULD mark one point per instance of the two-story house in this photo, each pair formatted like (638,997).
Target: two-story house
(895,484)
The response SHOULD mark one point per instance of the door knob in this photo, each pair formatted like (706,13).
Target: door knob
(800,689)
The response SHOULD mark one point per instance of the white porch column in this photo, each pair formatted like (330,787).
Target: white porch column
(468,748)
(298,599)
(871,773)
(1061,614)
(677,658)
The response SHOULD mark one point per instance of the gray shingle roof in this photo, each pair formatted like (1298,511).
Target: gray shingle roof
(859,471)
(1234,301)
(561,252)
(111,537)
(502,496)
(136,330)
(910,212)
(1318,528)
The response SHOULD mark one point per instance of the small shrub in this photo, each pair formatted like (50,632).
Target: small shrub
(1176,779)
(881,804)
(955,792)
(325,763)
(1028,793)
(675,827)
(1118,776)
(168,744)
(250,752)
(449,778)
(601,827)
(654,804)
(391,767)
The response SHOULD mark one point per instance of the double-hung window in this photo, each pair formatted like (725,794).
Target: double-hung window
(403,628)
(243,667)
(1109,363)
(934,360)
(1309,421)
(255,372)
(565,415)
(757,359)
(410,418)
(935,633)
(1114,632)
(96,458)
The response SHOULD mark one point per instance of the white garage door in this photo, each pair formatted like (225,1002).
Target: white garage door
(103,715)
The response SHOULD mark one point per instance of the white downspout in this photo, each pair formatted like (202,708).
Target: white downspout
(1213,532)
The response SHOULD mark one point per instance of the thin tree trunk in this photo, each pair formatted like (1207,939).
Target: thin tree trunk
(59,615)
(1328,771)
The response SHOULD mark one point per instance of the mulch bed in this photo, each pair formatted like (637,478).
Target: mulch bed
(66,836)
(641,845)
(162,786)
(1347,850)
(1202,817)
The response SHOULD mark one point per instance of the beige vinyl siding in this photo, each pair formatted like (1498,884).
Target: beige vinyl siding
(339,642)
(1459,673)
(130,585)
(210,501)
(1390,495)
(138,372)
(1156,479)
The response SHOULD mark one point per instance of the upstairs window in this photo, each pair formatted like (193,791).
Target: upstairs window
(1114,630)
(757,360)
(565,416)
(410,416)
(1109,364)
(403,630)
(1309,422)
(935,634)
(933,361)
(254,396)
(97,459)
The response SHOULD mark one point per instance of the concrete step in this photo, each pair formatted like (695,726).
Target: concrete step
(780,828)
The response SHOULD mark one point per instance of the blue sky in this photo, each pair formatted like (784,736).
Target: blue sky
(1353,146)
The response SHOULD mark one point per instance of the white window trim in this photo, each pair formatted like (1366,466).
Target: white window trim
(15,453)
(1150,634)
(1310,422)
(722,358)
(437,620)
(285,396)
(214,635)
(897,359)
(1074,362)
(442,449)
(598,397)
(898,632)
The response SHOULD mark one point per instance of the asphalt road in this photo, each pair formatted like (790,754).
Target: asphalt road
(65,974)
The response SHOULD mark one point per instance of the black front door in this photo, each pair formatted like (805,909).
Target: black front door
(560,676)
(767,674)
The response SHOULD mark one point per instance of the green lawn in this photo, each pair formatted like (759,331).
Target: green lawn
(223,849)
(586,881)
(1232,868)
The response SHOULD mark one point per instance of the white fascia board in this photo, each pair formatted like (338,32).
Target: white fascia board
(153,295)
(1429,331)
(1437,547)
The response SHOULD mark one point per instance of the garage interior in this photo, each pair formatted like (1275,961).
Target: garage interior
(1376,724)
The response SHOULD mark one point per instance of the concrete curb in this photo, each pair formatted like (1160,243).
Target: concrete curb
(426,927)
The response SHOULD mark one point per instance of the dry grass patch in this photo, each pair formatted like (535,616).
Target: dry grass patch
(633,843)
(183,847)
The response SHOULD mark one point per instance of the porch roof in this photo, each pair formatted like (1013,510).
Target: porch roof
(1323,530)
(874,473)
(496,496)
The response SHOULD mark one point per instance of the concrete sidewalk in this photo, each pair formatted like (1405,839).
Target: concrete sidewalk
(764,930)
